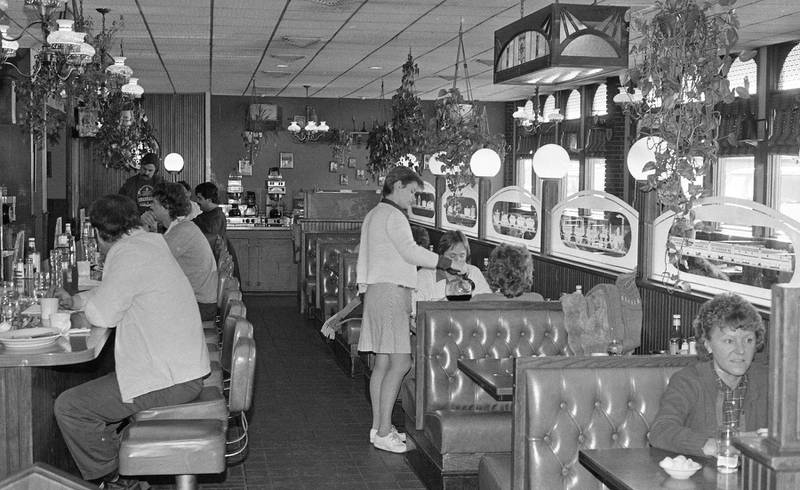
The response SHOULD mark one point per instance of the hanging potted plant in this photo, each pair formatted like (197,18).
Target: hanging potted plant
(125,133)
(680,64)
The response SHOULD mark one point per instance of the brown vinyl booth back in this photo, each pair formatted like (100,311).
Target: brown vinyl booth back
(347,275)
(447,331)
(564,405)
(327,271)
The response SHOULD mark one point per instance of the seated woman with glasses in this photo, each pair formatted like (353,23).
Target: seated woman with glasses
(510,274)
(431,284)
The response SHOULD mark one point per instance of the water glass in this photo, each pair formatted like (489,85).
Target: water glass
(727,454)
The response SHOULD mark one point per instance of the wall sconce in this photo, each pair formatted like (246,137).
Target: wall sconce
(485,163)
(641,153)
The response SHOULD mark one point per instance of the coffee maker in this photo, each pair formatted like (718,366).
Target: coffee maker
(276,189)
(235,191)
(251,208)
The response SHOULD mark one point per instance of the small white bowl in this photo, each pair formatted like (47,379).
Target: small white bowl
(680,473)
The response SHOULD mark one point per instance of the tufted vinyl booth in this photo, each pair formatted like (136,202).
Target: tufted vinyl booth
(346,341)
(564,405)
(454,420)
(327,273)
(308,262)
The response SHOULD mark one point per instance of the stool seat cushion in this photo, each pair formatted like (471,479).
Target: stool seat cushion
(211,335)
(209,404)
(494,472)
(173,447)
(214,378)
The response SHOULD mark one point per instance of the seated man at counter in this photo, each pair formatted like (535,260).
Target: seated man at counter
(510,274)
(195,208)
(728,389)
(159,350)
(431,284)
(188,245)
(212,220)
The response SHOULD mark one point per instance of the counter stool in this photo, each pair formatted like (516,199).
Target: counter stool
(186,443)
(235,328)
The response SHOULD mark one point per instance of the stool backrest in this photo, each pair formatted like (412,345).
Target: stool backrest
(243,366)
(236,327)
(229,296)
(226,283)
(235,307)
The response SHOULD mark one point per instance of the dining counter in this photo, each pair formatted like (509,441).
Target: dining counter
(30,381)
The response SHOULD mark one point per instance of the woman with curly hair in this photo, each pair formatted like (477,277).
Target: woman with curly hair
(726,388)
(510,274)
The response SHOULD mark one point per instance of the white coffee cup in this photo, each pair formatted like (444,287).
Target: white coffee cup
(60,320)
(49,306)
(84,268)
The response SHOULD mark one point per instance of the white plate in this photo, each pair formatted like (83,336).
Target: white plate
(29,338)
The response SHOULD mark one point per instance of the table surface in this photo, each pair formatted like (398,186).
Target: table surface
(637,469)
(496,376)
(69,349)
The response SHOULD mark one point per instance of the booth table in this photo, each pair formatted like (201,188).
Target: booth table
(637,469)
(30,381)
(496,376)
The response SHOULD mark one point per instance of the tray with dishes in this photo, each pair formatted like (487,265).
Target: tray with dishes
(29,338)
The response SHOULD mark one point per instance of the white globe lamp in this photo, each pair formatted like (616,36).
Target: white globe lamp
(434,165)
(551,161)
(173,162)
(642,152)
(485,163)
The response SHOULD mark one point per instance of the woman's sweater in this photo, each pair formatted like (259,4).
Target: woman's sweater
(687,415)
(387,251)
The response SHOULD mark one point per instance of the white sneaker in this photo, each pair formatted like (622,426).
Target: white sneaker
(374,432)
(390,443)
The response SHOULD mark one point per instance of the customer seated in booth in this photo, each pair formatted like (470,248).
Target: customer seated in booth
(187,244)
(510,274)
(726,388)
(431,283)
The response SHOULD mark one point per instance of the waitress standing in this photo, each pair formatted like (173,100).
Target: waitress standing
(387,273)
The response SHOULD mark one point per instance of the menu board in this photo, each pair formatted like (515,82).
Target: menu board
(460,212)
(514,215)
(423,209)
(595,228)
(735,245)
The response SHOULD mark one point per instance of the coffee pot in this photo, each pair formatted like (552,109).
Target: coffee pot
(459,286)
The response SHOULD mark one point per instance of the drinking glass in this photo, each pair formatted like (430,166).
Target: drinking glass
(727,454)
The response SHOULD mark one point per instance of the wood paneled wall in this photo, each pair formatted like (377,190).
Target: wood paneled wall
(179,124)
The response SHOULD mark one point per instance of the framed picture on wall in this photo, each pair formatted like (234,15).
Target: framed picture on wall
(333,166)
(361,174)
(351,162)
(287,160)
(343,180)
(245,167)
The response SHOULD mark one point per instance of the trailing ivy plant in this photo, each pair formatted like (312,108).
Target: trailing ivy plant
(680,63)
(125,134)
(459,133)
(380,143)
(408,120)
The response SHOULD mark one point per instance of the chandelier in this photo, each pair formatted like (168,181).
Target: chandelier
(312,130)
(529,118)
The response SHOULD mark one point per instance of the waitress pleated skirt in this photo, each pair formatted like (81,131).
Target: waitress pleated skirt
(385,324)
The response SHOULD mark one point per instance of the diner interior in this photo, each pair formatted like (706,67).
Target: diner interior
(639,158)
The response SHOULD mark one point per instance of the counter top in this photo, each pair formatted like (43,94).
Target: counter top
(257,228)
(69,349)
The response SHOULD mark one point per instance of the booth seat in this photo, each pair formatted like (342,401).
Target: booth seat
(452,421)
(327,273)
(589,403)
(309,232)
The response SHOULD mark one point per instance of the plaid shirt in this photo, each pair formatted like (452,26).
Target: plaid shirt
(732,401)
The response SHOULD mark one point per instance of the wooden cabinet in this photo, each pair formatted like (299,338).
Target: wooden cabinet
(265,258)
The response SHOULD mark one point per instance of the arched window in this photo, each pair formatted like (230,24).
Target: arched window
(790,71)
(741,70)
(573,105)
(599,102)
(549,106)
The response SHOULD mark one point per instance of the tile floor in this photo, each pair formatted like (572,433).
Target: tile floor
(309,423)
